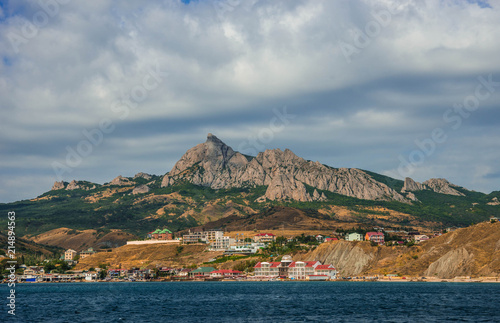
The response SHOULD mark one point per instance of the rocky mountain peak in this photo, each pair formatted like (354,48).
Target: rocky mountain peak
(217,165)
(410,185)
(441,185)
(58,186)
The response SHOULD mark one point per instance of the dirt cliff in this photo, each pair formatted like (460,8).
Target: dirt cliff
(472,251)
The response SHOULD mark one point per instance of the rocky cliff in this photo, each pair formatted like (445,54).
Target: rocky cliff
(438,185)
(286,175)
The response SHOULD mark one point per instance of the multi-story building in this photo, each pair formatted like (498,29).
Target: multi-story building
(354,237)
(213,235)
(89,252)
(264,237)
(222,243)
(288,268)
(377,237)
(202,236)
(70,254)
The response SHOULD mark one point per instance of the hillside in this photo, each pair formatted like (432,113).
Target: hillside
(149,256)
(80,240)
(472,251)
(212,182)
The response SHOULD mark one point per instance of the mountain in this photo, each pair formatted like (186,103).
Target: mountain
(216,165)
(211,182)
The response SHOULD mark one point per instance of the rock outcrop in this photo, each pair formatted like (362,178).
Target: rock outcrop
(120,181)
(217,165)
(438,185)
(73,185)
(143,175)
(441,185)
(410,185)
(141,189)
(494,201)
(58,186)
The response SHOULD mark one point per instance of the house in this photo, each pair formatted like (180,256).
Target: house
(201,272)
(264,237)
(184,272)
(331,239)
(377,237)
(89,252)
(115,273)
(420,237)
(91,276)
(226,273)
(34,270)
(354,237)
(161,234)
(70,254)
(320,238)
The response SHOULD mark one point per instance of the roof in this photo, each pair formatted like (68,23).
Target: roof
(226,271)
(264,234)
(330,267)
(331,239)
(165,231)
(203,270)
(374,234)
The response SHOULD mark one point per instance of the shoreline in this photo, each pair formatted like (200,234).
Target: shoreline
(383,280)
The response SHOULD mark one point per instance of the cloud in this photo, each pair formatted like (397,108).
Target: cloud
(223,66)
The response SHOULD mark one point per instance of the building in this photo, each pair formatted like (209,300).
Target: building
(331,239)
(264,237)
(302,269)
(202,272)
(222,243)
(70,254)
(91,276)
(325,270)
(226,273)
(288,268)
(89,252)
(213,235)
(377,237)
(420,237)
(161,234)
(194,237)
(200,236)
(354,237)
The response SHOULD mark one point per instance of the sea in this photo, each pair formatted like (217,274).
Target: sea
(254,302)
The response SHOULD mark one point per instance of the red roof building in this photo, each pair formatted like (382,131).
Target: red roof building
(377,237)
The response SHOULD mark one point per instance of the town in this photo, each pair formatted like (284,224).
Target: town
(275,263)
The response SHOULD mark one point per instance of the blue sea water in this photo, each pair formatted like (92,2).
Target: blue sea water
(254,302)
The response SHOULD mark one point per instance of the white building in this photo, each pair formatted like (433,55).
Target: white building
(222,243)
(354,237)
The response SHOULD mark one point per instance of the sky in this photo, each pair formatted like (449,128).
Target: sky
(90,90)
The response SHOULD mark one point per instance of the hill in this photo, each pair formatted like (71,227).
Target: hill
(212,182)
(80,240)
(472,251)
